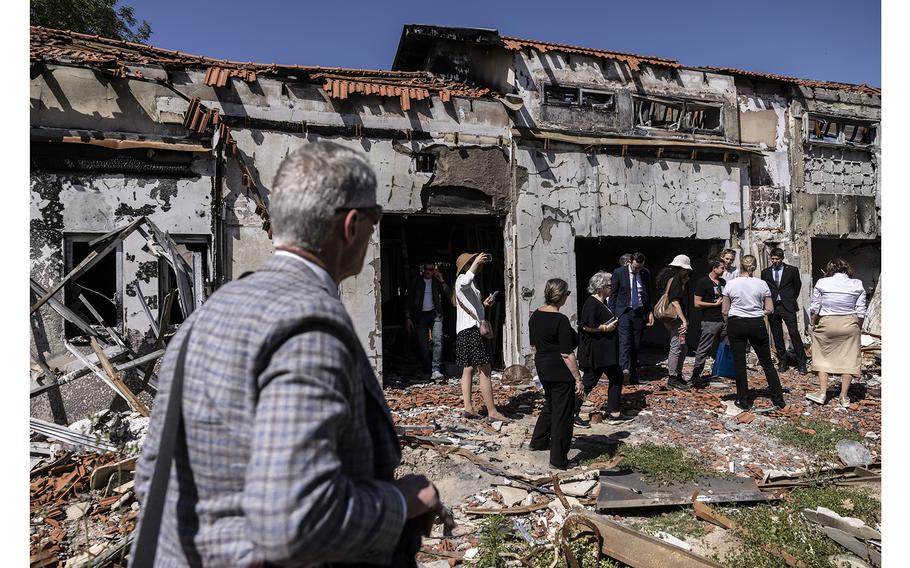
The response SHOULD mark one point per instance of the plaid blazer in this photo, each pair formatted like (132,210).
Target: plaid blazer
(288,449)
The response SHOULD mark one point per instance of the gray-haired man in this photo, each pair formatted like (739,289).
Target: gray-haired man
(287,452)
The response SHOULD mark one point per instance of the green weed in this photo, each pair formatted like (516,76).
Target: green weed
(813,436)
(663,464)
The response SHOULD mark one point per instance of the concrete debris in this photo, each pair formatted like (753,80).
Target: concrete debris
(853,453)
(578,488)
(511,495)
(667,537)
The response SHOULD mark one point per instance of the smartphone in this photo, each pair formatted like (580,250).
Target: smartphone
(612,321)
(495,295)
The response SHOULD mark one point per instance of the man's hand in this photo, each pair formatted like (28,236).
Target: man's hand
(650,319)
(420,495)
(719,301)
(491,299)
(579,387)
(408,325)
(437,275)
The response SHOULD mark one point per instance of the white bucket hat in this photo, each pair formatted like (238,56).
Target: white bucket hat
(681,261)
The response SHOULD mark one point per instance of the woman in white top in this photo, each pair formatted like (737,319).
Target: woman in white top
(837,310)
(747,300)
(470,350)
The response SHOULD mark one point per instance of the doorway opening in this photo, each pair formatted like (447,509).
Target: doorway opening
(864,255)
(602,253)
(408,241)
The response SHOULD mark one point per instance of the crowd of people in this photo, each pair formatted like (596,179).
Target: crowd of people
(271,442)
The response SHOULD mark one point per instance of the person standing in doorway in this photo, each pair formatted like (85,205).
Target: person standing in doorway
(709,295)
(554,343)
(630,300)
(785,284)
(731,269)
(423,312)
(675,280)
(838,309)
(470,350)
(747,301)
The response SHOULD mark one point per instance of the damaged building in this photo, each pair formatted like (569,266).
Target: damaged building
(150,175)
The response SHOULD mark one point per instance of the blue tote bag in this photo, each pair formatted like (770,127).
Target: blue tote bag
(723,361)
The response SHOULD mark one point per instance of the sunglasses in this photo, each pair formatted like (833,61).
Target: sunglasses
(374,212)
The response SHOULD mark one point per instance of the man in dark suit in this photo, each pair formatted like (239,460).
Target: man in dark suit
(423,311)
(630,301)
(784,282)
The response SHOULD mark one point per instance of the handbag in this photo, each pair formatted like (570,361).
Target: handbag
(723,361)
(486,330)
(662,309)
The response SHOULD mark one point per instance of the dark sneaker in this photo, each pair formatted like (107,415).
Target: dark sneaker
(581,422)
(781,367)
(742,404)
(623,417)
(779,403)
(676,383)
(803,370)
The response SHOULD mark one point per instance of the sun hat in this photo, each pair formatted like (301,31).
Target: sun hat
(681,261)
(463,259)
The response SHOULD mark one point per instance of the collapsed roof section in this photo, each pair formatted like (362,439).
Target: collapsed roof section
(66,47)
(863,88)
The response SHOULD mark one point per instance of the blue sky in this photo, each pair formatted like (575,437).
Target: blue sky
(834,40)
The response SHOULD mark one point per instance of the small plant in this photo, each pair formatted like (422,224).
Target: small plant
(663,464)
(813,436)
(494,534)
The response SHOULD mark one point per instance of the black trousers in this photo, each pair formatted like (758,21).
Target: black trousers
(776,320)
(743,332)
(631,327)
(423,324)
(590,379)
(554,425)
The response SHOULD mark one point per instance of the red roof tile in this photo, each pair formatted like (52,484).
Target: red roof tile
(865,89)
(515,44)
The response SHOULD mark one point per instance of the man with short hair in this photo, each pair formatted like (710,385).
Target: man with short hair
(709,296)
(286,451)
(624,259)
(630,301)
(785,284)
(731,270)
(423,313)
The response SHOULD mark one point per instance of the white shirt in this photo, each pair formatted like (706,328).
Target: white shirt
(632,284)
(838,295)
(467,295)
(321,272)
(428,295)
(729,275)
(747,297)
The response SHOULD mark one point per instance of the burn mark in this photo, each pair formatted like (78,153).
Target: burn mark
(147,270)
(124,210)
(48,229)
(164,191)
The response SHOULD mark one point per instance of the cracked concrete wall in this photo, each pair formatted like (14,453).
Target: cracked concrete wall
(571,194)
(533,69)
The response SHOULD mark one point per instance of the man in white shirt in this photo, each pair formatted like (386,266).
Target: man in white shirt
(423,313)
(731,270)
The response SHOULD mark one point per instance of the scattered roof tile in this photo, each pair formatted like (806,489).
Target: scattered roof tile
(633,60)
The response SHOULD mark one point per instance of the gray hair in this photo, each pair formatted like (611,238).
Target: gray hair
(599,281)
(311,183)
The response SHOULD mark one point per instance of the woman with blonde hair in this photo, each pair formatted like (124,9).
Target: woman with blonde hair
(837,310)
(554,343)
(747,300)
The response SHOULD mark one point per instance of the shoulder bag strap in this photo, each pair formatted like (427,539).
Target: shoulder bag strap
(145,547)
(467,311)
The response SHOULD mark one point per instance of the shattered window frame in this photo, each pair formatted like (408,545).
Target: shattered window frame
(167,283)
(70,293)
(578,95)
(830,130)
(425,163)
(646,108)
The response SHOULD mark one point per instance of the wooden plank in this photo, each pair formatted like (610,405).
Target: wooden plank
(640,550)
(163,323)
(705,512)
(101,475)
(198,284)
(91,366)
(118,382)
(140,360)
(89,261)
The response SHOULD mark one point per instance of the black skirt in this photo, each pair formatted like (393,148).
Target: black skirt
(470,350)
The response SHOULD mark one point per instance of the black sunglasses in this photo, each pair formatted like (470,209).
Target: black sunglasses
(374,212)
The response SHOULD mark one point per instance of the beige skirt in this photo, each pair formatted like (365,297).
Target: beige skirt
(836,345)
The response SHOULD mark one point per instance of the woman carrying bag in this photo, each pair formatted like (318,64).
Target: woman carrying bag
(672,309)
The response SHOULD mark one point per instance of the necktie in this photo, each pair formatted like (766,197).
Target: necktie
(777,272)
(636,301)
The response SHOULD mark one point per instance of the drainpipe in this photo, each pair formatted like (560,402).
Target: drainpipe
(217,219)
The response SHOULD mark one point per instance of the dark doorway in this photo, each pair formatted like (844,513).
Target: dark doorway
(406,241)
(602,253)
(864,255)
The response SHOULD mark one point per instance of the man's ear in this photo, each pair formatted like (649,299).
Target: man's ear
(349,225)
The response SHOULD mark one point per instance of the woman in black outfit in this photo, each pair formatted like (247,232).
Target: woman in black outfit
(598,349)
(554,342)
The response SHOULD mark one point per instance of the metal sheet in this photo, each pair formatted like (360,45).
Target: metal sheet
(624,490)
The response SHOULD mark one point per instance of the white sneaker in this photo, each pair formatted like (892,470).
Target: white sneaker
(437,375)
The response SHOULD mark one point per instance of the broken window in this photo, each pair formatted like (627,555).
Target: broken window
(578,97)
(425,162)
(195,251)
(98,286)
(673,114)
(839,131)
